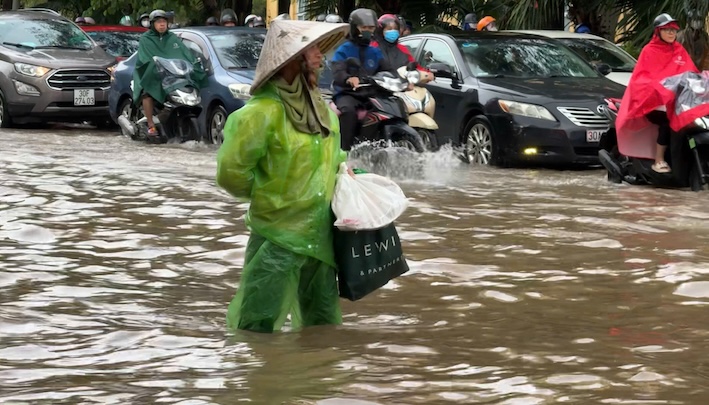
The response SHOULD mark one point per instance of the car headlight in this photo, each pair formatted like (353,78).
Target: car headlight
(240,91)
(31,70)
(702,122)
(526,110)
(185,98)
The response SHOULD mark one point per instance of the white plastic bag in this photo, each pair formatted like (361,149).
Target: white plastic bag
(366,201)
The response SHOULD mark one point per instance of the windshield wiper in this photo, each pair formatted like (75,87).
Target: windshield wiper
(240,67)
(19,45)
(62,47)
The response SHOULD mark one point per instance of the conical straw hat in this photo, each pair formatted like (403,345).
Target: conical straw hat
(287,39)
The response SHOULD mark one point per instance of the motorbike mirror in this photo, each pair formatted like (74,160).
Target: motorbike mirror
(441,70)
(604,68)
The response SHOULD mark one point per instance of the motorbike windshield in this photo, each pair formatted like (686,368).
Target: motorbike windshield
(173,67)
(691,97)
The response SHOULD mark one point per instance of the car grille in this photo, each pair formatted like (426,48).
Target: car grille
(585,118)
(79,79)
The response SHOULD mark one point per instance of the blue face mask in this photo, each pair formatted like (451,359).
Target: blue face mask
(391,36)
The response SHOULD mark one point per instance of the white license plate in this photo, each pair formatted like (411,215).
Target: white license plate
(84,97)
(594,135)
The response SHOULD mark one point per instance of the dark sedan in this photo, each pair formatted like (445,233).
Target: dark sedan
(229,56)
(509,97)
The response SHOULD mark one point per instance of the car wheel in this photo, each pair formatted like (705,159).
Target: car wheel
(478,142)
(215,130)
(126,107)
(5,120)
(429,139)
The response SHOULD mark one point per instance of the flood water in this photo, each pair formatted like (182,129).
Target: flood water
(527,286)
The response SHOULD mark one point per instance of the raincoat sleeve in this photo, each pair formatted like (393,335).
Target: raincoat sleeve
(246,135)
(339,68)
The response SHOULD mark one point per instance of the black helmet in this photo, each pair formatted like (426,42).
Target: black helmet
(155,14)
(320,18)
(333,18)
(228,15)
(258,22)
(470,22)
(662,20)
(361,16)
(212,21)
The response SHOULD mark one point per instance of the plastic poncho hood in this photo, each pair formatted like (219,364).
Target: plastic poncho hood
(658,60)
(145,75)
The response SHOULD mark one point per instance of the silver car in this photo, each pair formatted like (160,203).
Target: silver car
(50,70)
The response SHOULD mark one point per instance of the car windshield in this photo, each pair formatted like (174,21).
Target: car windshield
(43,33)
(117,43)
(600,51)
(522,57)
(237,50)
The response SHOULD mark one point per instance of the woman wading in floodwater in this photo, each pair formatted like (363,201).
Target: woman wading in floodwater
(281,151)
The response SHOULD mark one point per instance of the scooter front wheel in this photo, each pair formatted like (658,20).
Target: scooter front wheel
(187,129)
(429,139)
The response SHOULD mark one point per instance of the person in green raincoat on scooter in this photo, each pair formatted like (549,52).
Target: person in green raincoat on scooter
(158,41)
(281,152)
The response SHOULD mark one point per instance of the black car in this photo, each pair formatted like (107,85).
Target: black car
(510,97)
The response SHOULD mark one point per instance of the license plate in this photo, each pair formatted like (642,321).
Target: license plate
(84,97)
(594,135)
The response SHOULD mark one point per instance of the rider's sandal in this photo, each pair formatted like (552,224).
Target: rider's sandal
(661,167)
(152,131)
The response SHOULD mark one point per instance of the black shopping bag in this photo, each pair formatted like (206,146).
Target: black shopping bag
(367,260)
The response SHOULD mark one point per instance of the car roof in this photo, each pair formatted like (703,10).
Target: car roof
(38,14)
(477,34)
(113,28)
(207,30)
(557,34)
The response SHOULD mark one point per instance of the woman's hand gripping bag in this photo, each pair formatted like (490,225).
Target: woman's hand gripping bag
(366,201)
(367,247)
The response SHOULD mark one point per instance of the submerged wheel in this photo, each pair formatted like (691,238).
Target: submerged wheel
(5,120)
(479,147)
(216,121)
(429,139)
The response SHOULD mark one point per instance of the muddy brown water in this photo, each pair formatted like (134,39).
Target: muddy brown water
(527,286)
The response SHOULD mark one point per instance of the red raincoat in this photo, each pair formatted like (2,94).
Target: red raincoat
(658,60)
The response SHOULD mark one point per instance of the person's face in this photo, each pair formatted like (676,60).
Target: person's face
(406,32)
(668,35)
(491,27)
(391,27)
(160,25)
(145,22)
(313,57)
(229,24)
(366,28)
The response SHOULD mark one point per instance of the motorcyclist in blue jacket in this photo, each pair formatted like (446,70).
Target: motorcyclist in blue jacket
(346,79)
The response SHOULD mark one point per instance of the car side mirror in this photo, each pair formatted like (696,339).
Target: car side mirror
(203,65)
(441,70)
(604,69)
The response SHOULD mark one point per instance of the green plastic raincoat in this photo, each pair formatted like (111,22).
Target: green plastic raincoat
(289,177)
(145,75)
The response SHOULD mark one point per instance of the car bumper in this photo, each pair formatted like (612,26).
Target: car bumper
(51,104)
(535,140)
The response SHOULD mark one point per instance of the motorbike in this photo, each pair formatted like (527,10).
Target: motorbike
(687,154)
(177,117)
(421,106)
(384,117)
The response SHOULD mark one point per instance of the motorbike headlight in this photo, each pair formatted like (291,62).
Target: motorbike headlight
(31,70)
(702,122)
(185,98)
(240,91)
(413,76)
(526,110)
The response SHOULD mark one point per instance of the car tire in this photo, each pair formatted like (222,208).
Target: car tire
(479,142)
(430,142)
(5,120)
(215,125)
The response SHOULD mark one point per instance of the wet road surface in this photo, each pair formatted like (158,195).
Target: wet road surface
(527,286)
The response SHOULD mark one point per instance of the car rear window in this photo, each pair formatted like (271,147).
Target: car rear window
(43,33)
(522,57)
(237,50)
(600,51)
(118,43)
